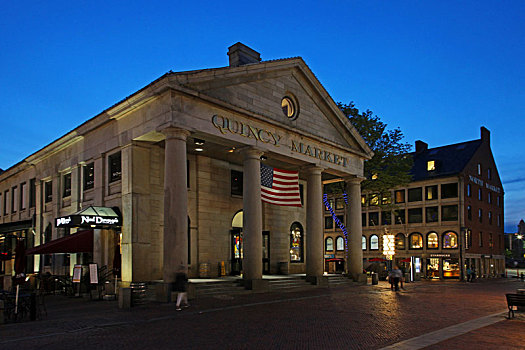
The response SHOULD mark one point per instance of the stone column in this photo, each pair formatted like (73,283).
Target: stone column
(98,252)
(252,220)
(354,260)
(175,203)
(314,226)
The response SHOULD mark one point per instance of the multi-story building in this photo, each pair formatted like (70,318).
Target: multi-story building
(170,176)
(451,212)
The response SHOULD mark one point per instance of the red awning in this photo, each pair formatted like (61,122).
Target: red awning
(406,260)
(377,260)
(80,242)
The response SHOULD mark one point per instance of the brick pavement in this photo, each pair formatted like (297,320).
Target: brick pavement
(364,317)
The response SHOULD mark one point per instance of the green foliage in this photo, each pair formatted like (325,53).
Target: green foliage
(391,163)
(508,253)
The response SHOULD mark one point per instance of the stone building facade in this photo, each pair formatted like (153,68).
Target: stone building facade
(451,212)
(180,161)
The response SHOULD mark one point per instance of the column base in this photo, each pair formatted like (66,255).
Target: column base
(163,292)
(124,298)
(360,278)
(318,280)
(257,285)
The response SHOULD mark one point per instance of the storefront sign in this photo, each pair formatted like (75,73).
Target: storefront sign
(231,126)
(329,256)
(93,274)
(87,220)
(77,273)
(480,182)
(440,255)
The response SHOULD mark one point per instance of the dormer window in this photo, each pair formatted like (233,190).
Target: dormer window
(431,165)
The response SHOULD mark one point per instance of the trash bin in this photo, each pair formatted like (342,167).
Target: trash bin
(204,270)
(138,293)
(375,278)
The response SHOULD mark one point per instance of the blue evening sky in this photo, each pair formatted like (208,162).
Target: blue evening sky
(437,69)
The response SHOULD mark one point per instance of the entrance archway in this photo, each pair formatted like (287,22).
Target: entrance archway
(236,245)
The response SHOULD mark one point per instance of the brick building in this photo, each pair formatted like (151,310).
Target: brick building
(452,211)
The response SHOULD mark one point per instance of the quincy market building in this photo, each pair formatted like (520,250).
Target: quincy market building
(170,176)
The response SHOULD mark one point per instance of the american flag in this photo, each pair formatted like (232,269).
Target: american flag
(280,187)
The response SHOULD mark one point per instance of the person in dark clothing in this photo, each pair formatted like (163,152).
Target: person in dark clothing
(181,287)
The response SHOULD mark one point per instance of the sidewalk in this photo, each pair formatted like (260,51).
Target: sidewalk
(454,315)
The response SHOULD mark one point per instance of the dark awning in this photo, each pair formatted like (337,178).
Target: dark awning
(80,242)
(92,217)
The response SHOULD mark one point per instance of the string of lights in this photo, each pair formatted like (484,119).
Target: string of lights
(336,219)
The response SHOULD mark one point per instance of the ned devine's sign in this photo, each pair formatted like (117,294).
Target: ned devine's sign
(87,220)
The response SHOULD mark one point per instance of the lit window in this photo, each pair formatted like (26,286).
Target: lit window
(450,240)
(363,242)
(329,244)
(374,177)
(340,243)
(374,242)
(296,242)
(416,241)
(400,241)
(431,165)
(432,240)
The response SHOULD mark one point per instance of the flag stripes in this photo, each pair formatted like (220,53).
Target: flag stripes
(280,187)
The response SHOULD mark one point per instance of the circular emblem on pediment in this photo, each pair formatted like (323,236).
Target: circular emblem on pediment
(290,107)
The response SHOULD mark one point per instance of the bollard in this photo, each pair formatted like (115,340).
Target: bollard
(375,278)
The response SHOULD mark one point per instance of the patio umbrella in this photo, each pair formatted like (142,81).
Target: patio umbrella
(20,268)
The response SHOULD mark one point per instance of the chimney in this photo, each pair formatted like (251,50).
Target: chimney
(485,135)
(241,54)
(421,146)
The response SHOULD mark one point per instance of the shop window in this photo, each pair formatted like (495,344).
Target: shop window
(89,176)
(431,214)
(329,244)
(480,215)
(374,242)
(330,204)
(469,190)
(115,167)
(339,243)
(47,259)
(373,219)
(363,242)
(363,219)
(432,240)
(363,200)
(386,218)
(399,196)
(14,199)
(415,194)
(386,199)
(296,243)
(399,217)
(339,203)
(48,191)
(236,183)
(489,197)
(449,190)
(374,199)
(469,212)
(480,194)
(22,200)
(416,241)
(450,240)
(328,222)
(415,215)
(431,193)
(449,213)
(490,218)
(32,193)
(66,180)
(400,241)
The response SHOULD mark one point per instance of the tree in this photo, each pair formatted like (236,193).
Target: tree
(390,166)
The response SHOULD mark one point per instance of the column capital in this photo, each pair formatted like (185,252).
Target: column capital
(172,132)
(313,169)
(251,153)
(354,180)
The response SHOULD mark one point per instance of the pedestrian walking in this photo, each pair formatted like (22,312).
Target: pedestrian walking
(469,273)
(181,287)
(395,277)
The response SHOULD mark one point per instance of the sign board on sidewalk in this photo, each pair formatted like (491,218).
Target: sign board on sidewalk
(77,273)
(93,274)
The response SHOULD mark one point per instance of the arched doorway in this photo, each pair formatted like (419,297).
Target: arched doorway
(237,253)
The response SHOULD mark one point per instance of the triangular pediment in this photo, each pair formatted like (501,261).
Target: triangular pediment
(260,88)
